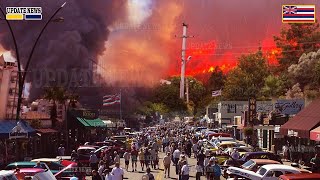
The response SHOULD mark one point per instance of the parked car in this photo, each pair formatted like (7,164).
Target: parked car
(84,154)
(7,175)
(302,176)
(255,164)
(62,162)
(266,172)
(242,150)
(252,155)
(25,164)
(30,172)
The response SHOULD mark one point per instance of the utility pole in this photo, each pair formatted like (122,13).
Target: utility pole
(183,58)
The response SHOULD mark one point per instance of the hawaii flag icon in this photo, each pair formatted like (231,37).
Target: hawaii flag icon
(298,13)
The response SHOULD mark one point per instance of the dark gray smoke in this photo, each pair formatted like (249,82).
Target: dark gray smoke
(64,45)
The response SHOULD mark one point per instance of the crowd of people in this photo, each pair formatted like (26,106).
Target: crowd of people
(177,141)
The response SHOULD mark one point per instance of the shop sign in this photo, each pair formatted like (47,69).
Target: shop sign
(18,132)
(292,133)
(86,114)
(252,109)
(289,107)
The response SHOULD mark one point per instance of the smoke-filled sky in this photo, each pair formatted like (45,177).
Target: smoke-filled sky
(149,47)
(137,42)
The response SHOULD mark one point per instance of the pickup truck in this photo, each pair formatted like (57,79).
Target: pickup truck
(266,172)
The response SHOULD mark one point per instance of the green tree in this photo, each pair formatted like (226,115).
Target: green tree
(247,79)
(168,94)
(216,80)
(56,94)
(273,87)
(296,40)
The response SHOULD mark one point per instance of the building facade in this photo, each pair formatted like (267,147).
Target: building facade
(8,86)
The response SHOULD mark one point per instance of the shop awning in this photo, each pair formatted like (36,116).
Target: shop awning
(315,134)
(306,120)
(83,122)
(91,122)
(7,126)
(47,130)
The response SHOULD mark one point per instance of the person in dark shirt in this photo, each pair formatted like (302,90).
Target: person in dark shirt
(95,175)
(200,158)
(315,163)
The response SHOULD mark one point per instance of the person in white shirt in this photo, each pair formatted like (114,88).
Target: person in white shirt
(199,170)
(117,172)
(101,169)
(167,149)
(108,174)
(176,157)
(116,157)
(195,149)
(185,170)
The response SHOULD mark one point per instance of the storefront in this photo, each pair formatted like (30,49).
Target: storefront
(48,142)
(17,140)
(85,126)
(315,134)
(297,132)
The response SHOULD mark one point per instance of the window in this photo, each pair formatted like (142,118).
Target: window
(232,108)
(10,92)
(277,173)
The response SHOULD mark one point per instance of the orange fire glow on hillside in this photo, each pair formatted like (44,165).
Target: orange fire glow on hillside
(204,59)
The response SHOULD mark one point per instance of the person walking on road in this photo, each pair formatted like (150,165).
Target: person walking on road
(134,159)
(117,172)
(147,157)
(148,175)
(61,150)
(95,175)
(126,157)
(199,171)
(141,158)
(166,164)
(93,160)
(116,157)
(176,156)
(185,170)
(216,169)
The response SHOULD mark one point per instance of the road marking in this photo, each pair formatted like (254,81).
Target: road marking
(161,173)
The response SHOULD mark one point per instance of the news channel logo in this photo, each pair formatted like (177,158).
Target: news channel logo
(23,13)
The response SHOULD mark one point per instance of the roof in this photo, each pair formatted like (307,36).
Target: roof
(302,176)
(6,127)
(30,115)
(31,170)
(259,152)
(5,173)
(7,57)
(48,130)
(307,119)
(265,161)
(278,166)
(46,160)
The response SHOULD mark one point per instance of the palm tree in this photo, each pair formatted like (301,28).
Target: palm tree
(55,95)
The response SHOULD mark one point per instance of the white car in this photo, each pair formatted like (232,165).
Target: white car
(7,175)
(266,172)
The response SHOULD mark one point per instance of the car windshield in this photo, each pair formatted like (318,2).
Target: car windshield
(85,151)
(248,164)
(262,171)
